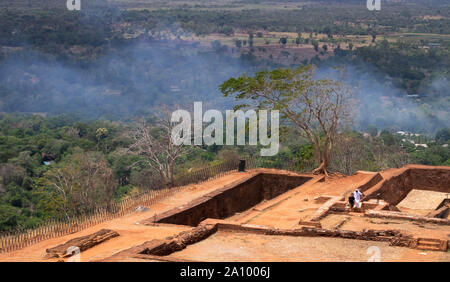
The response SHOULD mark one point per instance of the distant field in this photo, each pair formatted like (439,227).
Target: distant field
(419,36)
(269,47)
(227,5)
(269,43)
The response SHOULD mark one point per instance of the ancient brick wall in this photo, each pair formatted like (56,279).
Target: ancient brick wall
(430,179)
(227,201)
(394,189)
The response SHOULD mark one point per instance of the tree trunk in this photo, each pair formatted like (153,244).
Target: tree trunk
(171,173)
(323,157)
(322,169)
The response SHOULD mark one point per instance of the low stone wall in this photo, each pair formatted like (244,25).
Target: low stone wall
(208,227)
(325,208)
(179,242)
(394,237)
(236,197)
(159,248)
(82,243)
(405,216)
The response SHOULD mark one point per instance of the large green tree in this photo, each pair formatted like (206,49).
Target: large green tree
(316,106)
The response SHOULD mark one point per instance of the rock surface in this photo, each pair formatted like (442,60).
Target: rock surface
(83,243)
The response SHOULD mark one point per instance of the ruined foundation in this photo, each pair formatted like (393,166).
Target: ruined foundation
(232,199)
(394,189)
(278,215)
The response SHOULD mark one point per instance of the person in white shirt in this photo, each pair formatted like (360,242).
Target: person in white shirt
(357,195)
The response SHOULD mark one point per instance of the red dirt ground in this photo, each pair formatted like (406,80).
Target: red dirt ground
(284,211)
(228,246)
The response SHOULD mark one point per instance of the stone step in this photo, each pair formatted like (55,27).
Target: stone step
(430,248)
(429,240)
(354,213)
(429,245)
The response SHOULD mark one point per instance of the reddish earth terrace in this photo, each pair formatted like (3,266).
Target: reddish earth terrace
(274,215)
